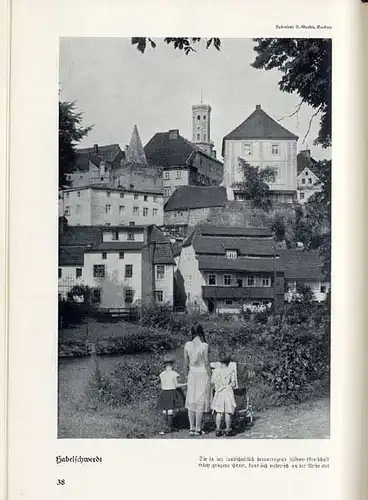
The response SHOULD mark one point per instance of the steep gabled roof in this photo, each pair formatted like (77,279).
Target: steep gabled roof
(190,197)
(259,125)
(304,160)
(171,150)
(107,153)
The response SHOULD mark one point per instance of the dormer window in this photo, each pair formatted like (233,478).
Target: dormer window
(231,254)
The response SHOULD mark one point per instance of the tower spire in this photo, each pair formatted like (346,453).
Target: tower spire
(135,151)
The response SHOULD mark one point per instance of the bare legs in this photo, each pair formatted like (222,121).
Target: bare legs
(227,422)
(195,420)
(199,416)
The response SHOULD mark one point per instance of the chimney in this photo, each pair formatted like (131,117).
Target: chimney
(258,107)
(214,153)
(95,149)
(306,153)
(174,134)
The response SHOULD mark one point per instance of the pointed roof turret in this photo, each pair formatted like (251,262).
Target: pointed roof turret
(135,152)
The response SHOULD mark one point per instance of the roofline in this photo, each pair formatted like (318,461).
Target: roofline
(119,190)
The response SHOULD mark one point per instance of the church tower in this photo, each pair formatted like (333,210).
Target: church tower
(201,124)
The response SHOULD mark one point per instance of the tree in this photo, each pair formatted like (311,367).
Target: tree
(70,133)
(255,185)
(278,227)
(306,67)
(185,44)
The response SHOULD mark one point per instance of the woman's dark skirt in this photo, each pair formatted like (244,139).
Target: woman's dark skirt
(171,399)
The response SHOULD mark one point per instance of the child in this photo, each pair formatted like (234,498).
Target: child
(171,396)
(224,381)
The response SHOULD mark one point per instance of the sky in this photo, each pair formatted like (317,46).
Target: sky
(116,87)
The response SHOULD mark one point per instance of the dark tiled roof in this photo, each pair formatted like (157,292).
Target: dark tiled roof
(166,152)
(80,236)
(259,125)
(216,263)
(163,254)
(304,160)
(116,246)
(210,230)
(299,264)
(71,256)
(176,249)
(230,292)
(189,197)
(245,246)
(108,153)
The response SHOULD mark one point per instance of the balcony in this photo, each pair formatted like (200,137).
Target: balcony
(233,292)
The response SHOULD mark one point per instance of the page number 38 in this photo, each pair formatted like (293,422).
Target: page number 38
(60,482)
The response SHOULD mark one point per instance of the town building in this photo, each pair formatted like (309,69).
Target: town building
(308,180)
(191,205)
(98,205)
(227,269)
(187,163)
(262,142)
(303,268)
(124,267)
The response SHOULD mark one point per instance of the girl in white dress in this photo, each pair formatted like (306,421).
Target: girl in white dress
(198,398)
(224,381)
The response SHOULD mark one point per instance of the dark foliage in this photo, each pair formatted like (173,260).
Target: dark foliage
(185,44)
(255,186)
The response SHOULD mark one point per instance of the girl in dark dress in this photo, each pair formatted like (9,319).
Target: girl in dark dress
(171,396)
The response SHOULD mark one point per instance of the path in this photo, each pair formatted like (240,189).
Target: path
(305,421)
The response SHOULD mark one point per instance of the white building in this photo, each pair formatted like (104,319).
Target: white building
(101,205)
(262,142)
(124,266)
(308,180)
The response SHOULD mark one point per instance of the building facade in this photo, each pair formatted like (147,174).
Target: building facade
(123,266)
(308,180)
(229,269)
(262,142)
(183,163)
(101,205)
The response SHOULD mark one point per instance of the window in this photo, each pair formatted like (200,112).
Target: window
(78,272)
(302,196)
(115,235)
(160,272)
(303,181)
(227,279)
(275,149)
(67,211)
(145,198)
(231,254)
(66,195)
(108,194)
(60,272)
(136,196)
(121,195)
(108,209)
(167,192)
(121,255)
(178,174)
(239,282)
(166,175)
(104,255)
(96,296)
(78,194)
(266,281)
(129,296)
(309,181)
(250,281)
(204,117)
(128,270)
(198,137)
(131,224)
(198,117)
(145,212)
(323,288)
(306,172)
(155,212)
(247,149)
(212,279)
(136,210)
(108,224)
(159,295)
(121,209)
(79,209)
(98,271)
(228,302)
(130,235)
(155,199)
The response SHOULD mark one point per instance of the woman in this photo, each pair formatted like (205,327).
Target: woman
(198,399)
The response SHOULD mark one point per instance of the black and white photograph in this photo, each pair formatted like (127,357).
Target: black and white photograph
(194,238)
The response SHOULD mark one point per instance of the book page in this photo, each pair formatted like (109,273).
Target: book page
(157,205)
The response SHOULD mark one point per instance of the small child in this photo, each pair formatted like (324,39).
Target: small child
(171,396)
(223,403)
